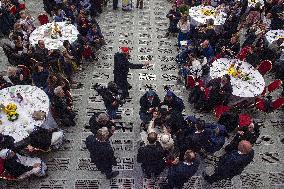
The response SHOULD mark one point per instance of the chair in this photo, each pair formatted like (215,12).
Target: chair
(220,109)
(190,83)
(3,173)
(260,104)
(278,103)
(274,85)
(244,120)
(264,67)
(43,19)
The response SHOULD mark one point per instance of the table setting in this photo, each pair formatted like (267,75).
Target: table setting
(22,108)
(200,14)
(246,81)
(54,34)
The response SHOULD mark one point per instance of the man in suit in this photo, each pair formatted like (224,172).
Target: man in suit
(151,156)
(233,163)
(101,152)
(121,69)
(182,171)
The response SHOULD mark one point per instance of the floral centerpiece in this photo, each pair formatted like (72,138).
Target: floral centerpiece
(55,31)
(208,12)
(237,73)
(10,111)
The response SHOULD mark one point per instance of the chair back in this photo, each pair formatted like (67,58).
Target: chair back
(260,104)
(274,85)
(220,109)
(278,103)
(190,83)
(264,67)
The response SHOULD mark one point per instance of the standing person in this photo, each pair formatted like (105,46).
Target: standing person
(139,3)
(233,163)
(101,152)
(126,5)
(114,4)
(151,156)
(182,171)
(121,69)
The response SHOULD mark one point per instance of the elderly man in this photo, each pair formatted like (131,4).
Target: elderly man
(98,121)
(233,163)
(64,112)
(101,152)
(121,69)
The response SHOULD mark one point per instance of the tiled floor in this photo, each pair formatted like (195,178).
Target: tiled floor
(142,31)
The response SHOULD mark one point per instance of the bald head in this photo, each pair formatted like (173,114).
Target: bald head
(245,147)
(189,156)
(152,137)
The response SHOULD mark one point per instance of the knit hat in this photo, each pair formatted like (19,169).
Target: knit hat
(124,49)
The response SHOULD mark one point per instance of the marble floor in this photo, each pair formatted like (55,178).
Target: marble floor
(142,31)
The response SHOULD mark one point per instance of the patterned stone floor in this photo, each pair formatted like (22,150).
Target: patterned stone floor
(142,31)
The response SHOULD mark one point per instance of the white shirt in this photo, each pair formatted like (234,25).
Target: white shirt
(184,27)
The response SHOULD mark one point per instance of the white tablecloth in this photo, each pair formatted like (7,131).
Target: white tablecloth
(34,99)
(274,35)
(69,32)
(251,88)
(197,17)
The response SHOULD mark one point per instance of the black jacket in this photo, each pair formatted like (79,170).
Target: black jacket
(145,103)
(101,153)
(14,168)
(122,66)
(151,156)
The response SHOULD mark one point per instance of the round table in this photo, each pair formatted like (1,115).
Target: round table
(274,35)
(241,88)
(69,32)
(34,99)
(197,16)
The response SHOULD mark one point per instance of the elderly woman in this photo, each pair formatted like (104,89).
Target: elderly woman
(22,167)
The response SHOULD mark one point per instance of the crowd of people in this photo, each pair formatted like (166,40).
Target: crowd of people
(169,139)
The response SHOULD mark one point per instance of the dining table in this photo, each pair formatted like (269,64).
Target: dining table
(68,32)
(28,100)
(246,81)
(200,15)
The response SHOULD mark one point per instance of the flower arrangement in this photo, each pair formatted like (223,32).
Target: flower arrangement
(237,73)
(10,111)
(55,31)
(208,12)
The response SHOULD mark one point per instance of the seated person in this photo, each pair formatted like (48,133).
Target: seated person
(148,103)
(3,83)
(40,77)
(22,167)
(95,37)
(220,91)
(174,103)
(16,76)
(44,139)
(97,121)
(64,112)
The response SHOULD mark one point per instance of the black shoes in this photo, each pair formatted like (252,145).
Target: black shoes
(112,175)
